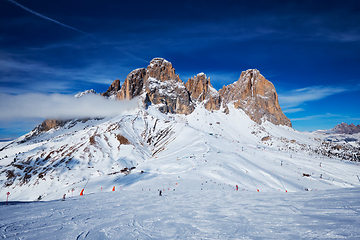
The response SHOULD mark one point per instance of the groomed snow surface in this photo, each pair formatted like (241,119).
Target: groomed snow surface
(197,161)
(210,214)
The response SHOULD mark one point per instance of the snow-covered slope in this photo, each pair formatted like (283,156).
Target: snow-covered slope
(148,150)
(80,94)
(221,213)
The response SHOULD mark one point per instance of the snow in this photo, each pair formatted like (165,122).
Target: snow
(213,92)
(80,94)
(219,213)
(285,189)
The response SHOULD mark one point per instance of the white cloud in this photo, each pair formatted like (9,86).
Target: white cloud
(92,73)
(293,110)
(59,106)
(320,116)
(35,76)
(295,98)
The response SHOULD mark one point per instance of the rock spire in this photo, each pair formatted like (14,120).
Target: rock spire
(256,96)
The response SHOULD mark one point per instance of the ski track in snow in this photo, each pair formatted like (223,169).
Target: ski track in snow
(207,214)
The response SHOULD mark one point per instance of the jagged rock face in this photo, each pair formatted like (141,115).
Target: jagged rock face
(201,90)
(256,96)
(133,84)
(113,89)
(344,128)
(162,70)
(164,88)
(49,124)
(159,85)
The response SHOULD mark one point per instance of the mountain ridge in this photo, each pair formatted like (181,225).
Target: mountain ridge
(159,84)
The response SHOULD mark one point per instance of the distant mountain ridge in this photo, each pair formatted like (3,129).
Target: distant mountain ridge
(344,128)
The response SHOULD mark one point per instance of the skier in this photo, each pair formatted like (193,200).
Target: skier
(160,193)
(63,199)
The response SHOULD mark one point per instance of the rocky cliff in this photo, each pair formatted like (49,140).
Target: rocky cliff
(202,91)
(164,88)
(159,85)
(133,84)
(256,96)
(113,89)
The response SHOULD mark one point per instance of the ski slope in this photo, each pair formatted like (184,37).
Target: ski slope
(163,150)
(220,213)
(222,177)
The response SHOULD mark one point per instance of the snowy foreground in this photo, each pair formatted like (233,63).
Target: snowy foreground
(207,214)
(287,189)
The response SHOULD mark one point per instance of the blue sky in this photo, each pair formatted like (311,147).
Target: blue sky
(310,50)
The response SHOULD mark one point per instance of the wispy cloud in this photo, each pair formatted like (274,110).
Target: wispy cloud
(328,117)
(60,106)
(36,76)
(49,19)
(73,28)
(291,100)
(293,110)
(319,116)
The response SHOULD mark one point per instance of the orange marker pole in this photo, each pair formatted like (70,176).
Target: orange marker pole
(7,196)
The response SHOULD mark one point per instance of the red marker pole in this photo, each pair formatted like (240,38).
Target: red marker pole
(7,196)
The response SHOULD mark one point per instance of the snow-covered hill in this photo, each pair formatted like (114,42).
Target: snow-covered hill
(146,149)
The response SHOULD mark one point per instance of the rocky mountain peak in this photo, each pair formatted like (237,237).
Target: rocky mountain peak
(344,128)
(165,89)
(162,70)
(202,91)
(256,96)
(158,84)
(113,89)
(133,84)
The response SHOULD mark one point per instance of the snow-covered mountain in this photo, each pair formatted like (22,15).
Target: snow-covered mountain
(181,136)
(80,94)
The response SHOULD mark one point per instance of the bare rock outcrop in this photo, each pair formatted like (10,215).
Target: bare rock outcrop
(113,89)
(158,84)
(164,88)
(256,96)
(48,124)
(202,91)
(133,84)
